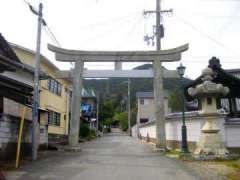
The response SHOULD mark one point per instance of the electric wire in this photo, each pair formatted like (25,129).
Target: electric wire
(27,2)
(130,32)
(109,21)
(45,25)
(51,35)
(204,34)
(108,31)
(47,29)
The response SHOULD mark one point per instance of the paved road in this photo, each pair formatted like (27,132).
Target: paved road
(107,158)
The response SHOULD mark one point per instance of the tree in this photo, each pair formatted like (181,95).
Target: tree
(122,117)
(175,100)
(108,122)
(106,110)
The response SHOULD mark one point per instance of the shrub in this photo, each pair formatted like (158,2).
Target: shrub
(84,130)
(92,133)
(108,122)
(122,117)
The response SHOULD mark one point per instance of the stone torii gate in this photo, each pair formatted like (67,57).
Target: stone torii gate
(79,57)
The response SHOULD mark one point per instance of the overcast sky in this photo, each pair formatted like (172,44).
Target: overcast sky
(211,27)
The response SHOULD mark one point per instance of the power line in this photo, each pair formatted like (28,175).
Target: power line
(45,25)
(110,21)
(218,16)
(50,33)
(107,32)
(230,62)
(47,29)
(204,34)
(27,2)
(129,33)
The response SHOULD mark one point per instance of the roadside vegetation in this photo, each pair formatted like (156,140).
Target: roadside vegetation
(218,169)
(122,119)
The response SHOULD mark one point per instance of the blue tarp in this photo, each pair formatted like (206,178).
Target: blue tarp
(86,107)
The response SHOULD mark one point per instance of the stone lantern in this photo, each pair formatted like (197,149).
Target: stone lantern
(210,142)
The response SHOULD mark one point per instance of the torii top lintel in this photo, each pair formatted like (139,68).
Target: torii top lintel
(169,55)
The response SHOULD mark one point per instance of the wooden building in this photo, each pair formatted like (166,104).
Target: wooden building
(230,78)
(16,87)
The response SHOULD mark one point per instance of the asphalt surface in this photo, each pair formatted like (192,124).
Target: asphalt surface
(112,157)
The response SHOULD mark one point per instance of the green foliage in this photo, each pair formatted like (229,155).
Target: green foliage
(175,101)
(133,116)
(113,90)
(92,133)
(106,110)
(122,117)
(84,130)
(108,121)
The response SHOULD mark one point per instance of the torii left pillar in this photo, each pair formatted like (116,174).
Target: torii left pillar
(76,104)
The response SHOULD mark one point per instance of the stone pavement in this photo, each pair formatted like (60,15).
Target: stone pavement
(116,157)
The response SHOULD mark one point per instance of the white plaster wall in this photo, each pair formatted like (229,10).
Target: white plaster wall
(232,136)
(150,130)
(230,133)
(134,131)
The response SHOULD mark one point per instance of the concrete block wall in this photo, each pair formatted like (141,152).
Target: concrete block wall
(43,135)
(13,108)
(9,127)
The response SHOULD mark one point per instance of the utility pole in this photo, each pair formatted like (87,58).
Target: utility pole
(35,124)
(97,115)
(158,80)
(129,106)
(118,65)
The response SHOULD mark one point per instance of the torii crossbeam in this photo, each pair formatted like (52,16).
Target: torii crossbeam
(79,57)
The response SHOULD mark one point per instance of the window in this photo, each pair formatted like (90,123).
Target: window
(141,101)
(209,101)
(1,104)
(54,86)
(54,118)
(144,120)
(146,101)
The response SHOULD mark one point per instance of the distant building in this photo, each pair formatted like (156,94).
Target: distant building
(89,107)
(145,106)
(233,104)
(230,78)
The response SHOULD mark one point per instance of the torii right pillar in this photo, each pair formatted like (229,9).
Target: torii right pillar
(170,56)
(159,105)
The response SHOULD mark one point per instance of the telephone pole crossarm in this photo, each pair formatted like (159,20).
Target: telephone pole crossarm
(154,11)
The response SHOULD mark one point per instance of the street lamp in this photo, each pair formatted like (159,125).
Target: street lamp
(181,71)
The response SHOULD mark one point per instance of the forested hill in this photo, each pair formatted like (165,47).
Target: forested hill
(118,86)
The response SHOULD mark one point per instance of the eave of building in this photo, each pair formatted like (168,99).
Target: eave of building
(43,58)
(7,51)
(221,76)
(149,95)
(15,90)
(233,70)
